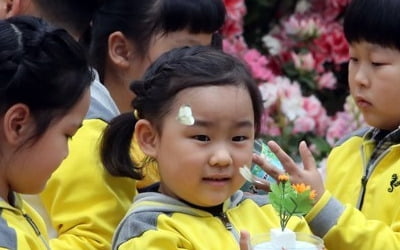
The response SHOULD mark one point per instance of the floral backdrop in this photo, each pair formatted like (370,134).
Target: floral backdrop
(297,52)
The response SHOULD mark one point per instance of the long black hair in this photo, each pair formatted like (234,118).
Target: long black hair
(42,67)
(173,72)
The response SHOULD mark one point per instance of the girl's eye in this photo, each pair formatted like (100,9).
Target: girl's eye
(239,138)
(201,138)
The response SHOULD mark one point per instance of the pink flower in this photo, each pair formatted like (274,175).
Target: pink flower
(340,127)
(269,93)
(312,106)
(269,126)
(303,124)
(235,10)
(303,28)
(234,46)
(258,65)
(333,45)
(304,62)
(327,81)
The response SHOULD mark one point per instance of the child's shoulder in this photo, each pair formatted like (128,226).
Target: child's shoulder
(357,133)
(259,199)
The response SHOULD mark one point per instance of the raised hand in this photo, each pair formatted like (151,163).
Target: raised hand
(308,174)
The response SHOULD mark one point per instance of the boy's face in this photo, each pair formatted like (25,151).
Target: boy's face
(200,163)
(374,81)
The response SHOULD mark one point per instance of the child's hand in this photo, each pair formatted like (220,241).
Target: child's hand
(244,241)
(309,175)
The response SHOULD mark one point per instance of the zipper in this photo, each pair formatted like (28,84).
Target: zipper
(228,225)
(225,220)
(368,169)
(36,229)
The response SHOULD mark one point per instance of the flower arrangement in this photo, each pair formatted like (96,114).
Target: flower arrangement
(290,199)
(297,52)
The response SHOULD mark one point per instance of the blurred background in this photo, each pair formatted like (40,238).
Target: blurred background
(297,52)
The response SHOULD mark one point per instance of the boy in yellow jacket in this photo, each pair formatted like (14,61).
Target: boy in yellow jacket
(360,209)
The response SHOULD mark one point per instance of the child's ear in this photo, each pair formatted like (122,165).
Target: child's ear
(120,49)
(13,8)
(17,124)
(147,137)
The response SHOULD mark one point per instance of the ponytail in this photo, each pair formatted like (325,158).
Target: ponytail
(116,146)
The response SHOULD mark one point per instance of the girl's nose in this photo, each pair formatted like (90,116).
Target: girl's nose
(221,157)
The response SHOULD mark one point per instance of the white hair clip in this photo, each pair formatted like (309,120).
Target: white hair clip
(185,115)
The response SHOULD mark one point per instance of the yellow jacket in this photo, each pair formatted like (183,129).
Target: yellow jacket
(157,221)
(84,202)
(376,225)
(21,227)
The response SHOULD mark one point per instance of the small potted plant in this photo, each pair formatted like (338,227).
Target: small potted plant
(288,200)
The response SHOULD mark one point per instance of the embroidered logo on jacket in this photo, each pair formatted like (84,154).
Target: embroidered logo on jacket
(394,182)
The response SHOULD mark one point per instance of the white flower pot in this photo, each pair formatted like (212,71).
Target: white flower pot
(286,240)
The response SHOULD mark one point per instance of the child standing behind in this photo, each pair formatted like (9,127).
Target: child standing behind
(363,170)
(44,95)
(197,113)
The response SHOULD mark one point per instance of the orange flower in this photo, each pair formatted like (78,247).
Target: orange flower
(300,188)
(283,178)
(313,194)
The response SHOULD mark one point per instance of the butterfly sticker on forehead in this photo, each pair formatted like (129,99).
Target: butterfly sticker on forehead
(185,115)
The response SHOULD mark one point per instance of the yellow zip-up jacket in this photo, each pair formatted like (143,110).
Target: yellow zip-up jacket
(376,224)
(21,227)
(84,202)
(157,221)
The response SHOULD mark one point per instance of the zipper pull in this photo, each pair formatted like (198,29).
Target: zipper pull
(225,221)
(32,223)
(364,181)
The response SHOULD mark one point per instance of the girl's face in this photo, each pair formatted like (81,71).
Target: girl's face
(374,81)
(162,43)
(200,163)
(31,166)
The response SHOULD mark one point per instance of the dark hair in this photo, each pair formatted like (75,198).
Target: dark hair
(42,67)
(173,72)
(139,21)
(74,15)
(374,21)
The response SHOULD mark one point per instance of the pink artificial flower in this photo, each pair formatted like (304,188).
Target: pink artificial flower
(268,125)
(341,125)
(231,28)
(327,81)
(304,62)
(315,110)
(323,122)
(258,64)
(235,11)
(312,106)
(269,93)
(303,124)
(303,28)
(234,46)
(333,45)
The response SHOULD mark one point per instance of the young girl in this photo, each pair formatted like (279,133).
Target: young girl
(197,112)
(86,206)
(44,95)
